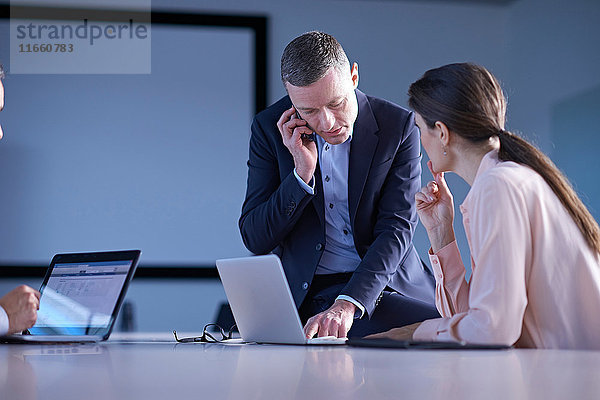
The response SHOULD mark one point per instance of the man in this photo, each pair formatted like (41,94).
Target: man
(338,205)
(18,308)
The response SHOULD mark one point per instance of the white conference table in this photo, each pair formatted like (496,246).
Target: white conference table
(166,370)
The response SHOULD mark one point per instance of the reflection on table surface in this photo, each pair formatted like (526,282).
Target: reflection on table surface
(160,370)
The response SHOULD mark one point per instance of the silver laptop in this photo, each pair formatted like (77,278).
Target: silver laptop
(80,297)
(262,303)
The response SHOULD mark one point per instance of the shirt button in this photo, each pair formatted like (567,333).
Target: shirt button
(305,285)
(326,147)
(345,231)
(440,276)
(435,261)
(330,205)
(318,247)
(327,178)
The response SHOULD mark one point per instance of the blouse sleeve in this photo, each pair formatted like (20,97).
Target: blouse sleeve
(500,244)
(451,288)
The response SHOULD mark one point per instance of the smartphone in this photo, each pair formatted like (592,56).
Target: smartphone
(305,136)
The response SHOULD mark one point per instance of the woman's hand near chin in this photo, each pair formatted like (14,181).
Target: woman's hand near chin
(435,207)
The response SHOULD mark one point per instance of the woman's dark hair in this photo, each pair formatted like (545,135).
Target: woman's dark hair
(468,99)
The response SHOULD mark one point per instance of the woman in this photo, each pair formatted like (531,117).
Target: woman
(535,248)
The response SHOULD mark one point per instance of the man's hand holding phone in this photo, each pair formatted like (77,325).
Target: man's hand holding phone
(303,149)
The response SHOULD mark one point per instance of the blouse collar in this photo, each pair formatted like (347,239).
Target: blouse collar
(489,161)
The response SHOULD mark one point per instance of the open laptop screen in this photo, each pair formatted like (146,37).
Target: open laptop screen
(82,298)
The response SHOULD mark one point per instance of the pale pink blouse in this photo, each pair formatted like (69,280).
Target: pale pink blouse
(535,282)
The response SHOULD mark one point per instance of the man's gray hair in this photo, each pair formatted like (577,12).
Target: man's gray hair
(2,74)
(307,58)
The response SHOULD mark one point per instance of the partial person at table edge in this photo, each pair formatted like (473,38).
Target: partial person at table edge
(18,308)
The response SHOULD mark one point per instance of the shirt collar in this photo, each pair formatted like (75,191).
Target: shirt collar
(489,160)
(321,142)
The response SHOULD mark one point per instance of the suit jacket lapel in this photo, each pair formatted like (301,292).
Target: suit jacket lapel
(362,150)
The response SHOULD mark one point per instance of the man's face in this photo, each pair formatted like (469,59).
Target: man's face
(329,105)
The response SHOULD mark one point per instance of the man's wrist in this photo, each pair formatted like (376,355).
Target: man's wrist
(346,305)
(306,176)
(308,187)
(359,309)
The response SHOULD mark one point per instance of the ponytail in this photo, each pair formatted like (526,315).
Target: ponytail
(514,148)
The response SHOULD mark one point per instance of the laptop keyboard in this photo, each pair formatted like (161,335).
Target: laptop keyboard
(326,340)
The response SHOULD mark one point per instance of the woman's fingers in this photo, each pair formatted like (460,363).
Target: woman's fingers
(432,187)
(440,179)
(420,197)
(427,193)
(441,187)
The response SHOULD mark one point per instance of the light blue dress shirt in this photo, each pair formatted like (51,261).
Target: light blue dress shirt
(340,254)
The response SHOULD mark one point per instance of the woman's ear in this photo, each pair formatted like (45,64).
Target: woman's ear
(443,132)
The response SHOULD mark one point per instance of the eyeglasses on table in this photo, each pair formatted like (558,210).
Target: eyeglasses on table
(208,337)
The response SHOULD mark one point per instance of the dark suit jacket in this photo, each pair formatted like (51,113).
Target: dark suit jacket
(384,175)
